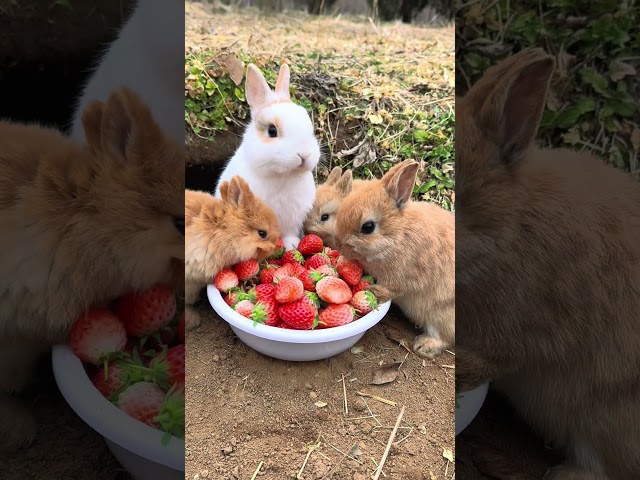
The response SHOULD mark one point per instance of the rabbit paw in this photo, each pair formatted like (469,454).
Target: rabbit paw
(17,425)
(565,472)
(382,294)
(291,242)
(191,318)
(428,347)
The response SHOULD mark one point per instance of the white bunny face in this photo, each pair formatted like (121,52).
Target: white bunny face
(280,138)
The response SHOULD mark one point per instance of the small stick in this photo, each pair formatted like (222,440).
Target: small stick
(306,459)
(391,437)
(379,399)
(376,464)
(255,474)
(344,392)
(448,366)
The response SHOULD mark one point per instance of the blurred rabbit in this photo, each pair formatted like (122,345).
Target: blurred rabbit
(81,225)
(548,275)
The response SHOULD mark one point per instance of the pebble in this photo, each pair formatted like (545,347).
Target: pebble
(204,473)
(313,395)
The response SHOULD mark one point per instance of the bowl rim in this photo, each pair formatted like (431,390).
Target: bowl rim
(294,336)
(107,419)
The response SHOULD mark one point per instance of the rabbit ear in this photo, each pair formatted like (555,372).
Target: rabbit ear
(239,193)
(511,114)
(399,181)
(127,125)
(257,89)
(224,191)
(345,183)
(282,84)
(92,122)
(334,176)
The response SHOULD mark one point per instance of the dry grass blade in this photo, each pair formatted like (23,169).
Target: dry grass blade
(389,443)
(255,474)
(306,458)
(344,392)
(377,399)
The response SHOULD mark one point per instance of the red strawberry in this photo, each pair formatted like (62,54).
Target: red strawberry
(246,270)
(332,254)
(293,256)
(169,366)
(283,272)
(265,291)
(364,302)
(111,379)
(336,315)
(96,334)
(276,263)
(316,261)
(333,290)
(308,282)
(279,251)
(225,280)
(327,271)
(267,273)
(299,315)
(234,296)
(145,312)
(146,402)
(363,283)
(244,308)
(312,298)
(288,290)
(310,244)
(181,328)
(349,270)
(266,312)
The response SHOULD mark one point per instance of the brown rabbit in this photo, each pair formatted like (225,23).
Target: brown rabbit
(548,275)
(80,225)
(321,220)
(409,248)
(221,232)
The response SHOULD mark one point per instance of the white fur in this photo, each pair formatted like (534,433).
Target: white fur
(273,169)
(148,57)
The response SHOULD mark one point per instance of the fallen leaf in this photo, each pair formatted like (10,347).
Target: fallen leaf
(355,451)
(375,119)
(448,454)
(618,70)
(320,404)
(397,336)
(234,66)
(422,429)
(357,350)
(384,375)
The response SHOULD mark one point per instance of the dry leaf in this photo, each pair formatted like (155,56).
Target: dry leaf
(384,375)
(234,66)
(320,404)
(357,350)
(422,429)
(397,336)
(448,454)
(355,451)
(375,119)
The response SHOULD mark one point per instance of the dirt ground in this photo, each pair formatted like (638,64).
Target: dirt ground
(244,408)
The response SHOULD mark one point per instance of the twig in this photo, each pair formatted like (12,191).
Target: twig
(391,437)
(255,474)
(306,458)
(376,464)
(379,399)
(344,392)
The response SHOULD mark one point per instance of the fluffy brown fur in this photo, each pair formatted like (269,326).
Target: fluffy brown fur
(222,232)
(548,275)
(410,253)
(80,225)
(329,197)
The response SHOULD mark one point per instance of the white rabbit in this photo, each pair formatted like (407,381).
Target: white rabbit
(148,57)
(278,153)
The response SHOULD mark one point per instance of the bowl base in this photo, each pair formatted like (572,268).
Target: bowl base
(141,468)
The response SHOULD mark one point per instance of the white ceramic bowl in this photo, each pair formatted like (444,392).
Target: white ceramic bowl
(137,446)
(469,404)
(295,345)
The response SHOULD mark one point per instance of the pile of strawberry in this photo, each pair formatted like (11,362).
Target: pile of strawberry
(311,287)
(134,355)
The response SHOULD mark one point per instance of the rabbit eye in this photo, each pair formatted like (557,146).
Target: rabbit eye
(324,217)
(273,131)
(262,234)
(178,222)
(368,227)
